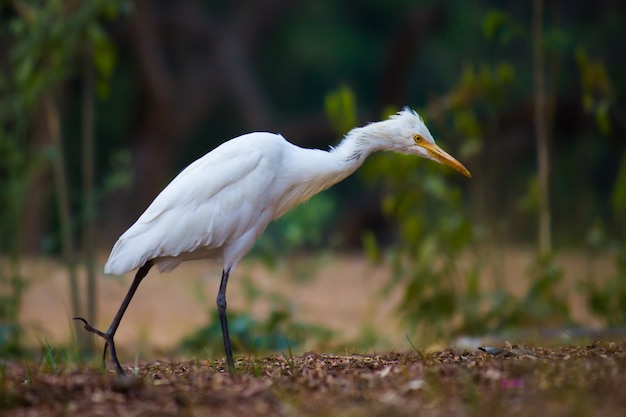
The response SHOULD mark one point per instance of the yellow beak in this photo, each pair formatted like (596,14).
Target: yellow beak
(445,158)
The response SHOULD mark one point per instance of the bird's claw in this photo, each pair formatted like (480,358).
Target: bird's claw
(92,329)
(107,338)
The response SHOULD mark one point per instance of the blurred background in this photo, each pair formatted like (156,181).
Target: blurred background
(103,102)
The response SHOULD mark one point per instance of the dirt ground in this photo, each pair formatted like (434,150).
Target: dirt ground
(341,294)
(522,381)
(344,294)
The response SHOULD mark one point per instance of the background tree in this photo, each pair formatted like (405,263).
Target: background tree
(47,39)
(174,79)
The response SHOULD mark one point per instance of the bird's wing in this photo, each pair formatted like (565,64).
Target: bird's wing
(213,200)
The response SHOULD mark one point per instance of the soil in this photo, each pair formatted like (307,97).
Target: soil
(345,294)
(519,381)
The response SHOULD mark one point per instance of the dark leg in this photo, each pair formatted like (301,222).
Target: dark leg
(221,309)
(110,333)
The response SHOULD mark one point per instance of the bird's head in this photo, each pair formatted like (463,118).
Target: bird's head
(405,132)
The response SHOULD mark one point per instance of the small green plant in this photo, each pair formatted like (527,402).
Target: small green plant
(300,229)
(606,298)
(276,332)
(290,359)
(49,360)
(415,349)
(257,367)
(136,365)
(435,231)
(431,241)
(543,304)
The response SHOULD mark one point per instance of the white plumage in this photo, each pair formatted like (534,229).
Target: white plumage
(220,204)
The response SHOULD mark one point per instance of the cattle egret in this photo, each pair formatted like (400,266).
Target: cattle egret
(220,204)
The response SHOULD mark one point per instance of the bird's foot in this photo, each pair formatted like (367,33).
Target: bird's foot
(108,343)
(92,329)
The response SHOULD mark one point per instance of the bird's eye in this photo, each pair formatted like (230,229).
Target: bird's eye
(417,138)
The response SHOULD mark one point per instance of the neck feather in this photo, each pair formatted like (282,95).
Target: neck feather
(321,170)
(355,147)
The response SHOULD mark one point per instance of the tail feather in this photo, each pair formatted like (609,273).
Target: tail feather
(122,259)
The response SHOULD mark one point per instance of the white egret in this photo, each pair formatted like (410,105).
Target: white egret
(220,204)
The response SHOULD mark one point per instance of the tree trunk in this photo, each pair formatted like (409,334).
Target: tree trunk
(88,161)
(60,179)
(541,132)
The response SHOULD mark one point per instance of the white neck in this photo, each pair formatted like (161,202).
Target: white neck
(320,170)
(352,151)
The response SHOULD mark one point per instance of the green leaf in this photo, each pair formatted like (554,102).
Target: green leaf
(492,22)
(370,246)
(104,59)
(340,107)
(618,195)
(500,26)
(505,73)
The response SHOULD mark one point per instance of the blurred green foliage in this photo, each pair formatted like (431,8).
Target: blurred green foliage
(305,227)
(340,106)
(309,225)
(435,230)
(596,89)
(434,233)
(278,331)
(13,171)
(46,39)
(469,73)
(607,298)
(502,27)
(439,296)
